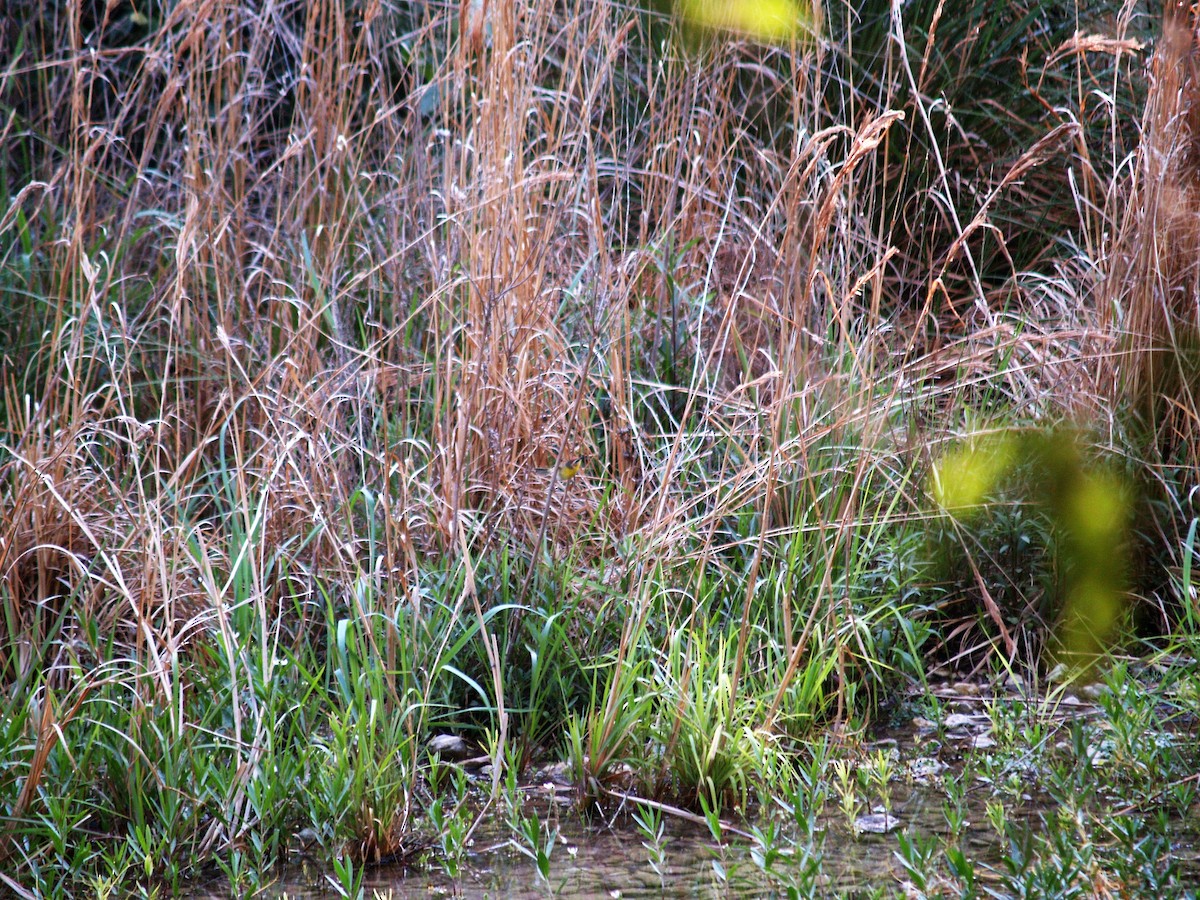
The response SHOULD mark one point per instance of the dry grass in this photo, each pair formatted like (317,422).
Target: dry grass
(335,247)
(284,255)
(1156,253)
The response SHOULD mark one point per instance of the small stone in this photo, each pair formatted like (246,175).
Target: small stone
(1060,674)
(559,774)
(1093,691)
(876,823)
(925,768)
(448,746)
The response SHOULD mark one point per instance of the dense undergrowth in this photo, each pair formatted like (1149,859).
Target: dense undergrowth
(306,304)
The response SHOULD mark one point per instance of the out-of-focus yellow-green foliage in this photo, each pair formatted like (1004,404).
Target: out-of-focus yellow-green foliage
(1093,513)
(1095,509)
(767,20)
(964,477)
(1087,504)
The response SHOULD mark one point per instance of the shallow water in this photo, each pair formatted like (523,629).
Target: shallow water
(597,860)
(601,862)
(607,859)
(594,859)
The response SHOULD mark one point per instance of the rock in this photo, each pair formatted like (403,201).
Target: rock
(448,746)
(961,720)
(1060,674)
(1015,683)
(876,823)
(926,768)
(1093,691)
(560,774)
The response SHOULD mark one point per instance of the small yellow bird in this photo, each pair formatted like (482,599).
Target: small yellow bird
(570,467)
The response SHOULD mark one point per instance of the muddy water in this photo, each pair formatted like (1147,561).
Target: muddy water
(594,859)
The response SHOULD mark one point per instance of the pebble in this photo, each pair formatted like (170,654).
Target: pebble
(448,746)
(960,720)
(876,823)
